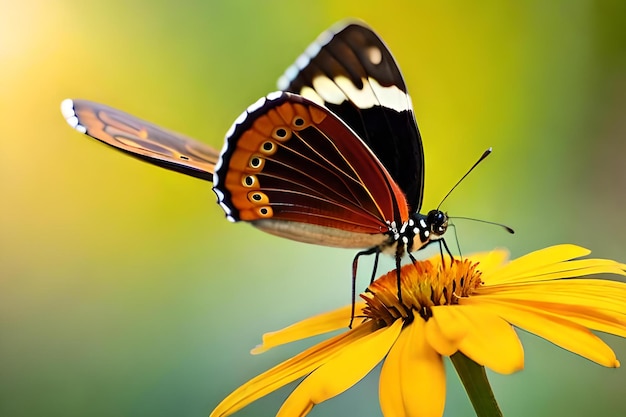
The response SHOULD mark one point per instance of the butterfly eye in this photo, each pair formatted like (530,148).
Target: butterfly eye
(256,162)
(268,148)
(265,212)
(249,181)
(281,134)
(258,198)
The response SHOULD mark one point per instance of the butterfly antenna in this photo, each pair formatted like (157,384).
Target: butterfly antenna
(483,156)
(504,226)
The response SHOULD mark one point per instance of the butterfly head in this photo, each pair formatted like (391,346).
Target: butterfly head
(436,223)
(421,229)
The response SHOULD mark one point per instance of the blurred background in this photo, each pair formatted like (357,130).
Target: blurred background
(124,291)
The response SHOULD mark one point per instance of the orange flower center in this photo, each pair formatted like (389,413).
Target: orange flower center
(423,285)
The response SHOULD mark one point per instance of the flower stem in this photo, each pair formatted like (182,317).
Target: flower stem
(476,385)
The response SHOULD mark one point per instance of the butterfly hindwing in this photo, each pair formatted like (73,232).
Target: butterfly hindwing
(288,162)
(141,139)
(350,70)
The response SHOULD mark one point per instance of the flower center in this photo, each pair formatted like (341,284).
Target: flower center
(423,285)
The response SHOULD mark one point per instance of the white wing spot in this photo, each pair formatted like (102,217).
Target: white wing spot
(328,90)
(229,133)
(290,74)
(274,95)
(376,94)
(422,223)
(325,37)
(67,108)
(226,209)
(313,49)
(375,55)
(311,94)
(302,61)
(72,121)
(256,105)
(219,193)
(242,118)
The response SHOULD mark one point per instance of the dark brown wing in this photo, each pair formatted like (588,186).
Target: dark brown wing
(290,160)
(141,139)
(351,71)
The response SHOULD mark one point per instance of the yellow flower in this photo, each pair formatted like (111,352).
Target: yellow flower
(469,306)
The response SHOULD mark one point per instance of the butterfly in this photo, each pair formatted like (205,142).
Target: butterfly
(334,158)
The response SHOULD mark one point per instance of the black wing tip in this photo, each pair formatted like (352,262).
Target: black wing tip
(284,81)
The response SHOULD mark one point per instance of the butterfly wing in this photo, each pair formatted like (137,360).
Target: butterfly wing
(350,70)
(294,169)
(141,139)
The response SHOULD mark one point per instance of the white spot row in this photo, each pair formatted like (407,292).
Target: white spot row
(231,131)
(67,110)
(303,60)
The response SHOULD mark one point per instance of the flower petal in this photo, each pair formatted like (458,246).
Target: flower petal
(445,329)
(490,261)
(566,269)
(313,326)
(534,260)
(341,371)
(290,370)
(412,380)
(592,303)
(558,330)
(490,340)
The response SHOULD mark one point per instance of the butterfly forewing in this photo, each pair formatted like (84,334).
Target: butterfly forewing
(141,139)
(350,70)
(289,160)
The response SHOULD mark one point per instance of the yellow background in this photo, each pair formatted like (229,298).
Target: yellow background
(124,291)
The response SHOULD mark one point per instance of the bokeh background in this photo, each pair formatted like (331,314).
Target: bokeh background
(124,291)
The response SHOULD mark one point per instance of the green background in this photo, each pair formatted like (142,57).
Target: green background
(125,292)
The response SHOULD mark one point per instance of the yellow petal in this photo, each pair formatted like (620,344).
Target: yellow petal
(320,324)
(595,293)
(290,370)
(566,269)
(534,260)
(445,329)
(596,304)
(490,261)
(341,371)
(490,340)
(412,380)
(560,331)
(591,318)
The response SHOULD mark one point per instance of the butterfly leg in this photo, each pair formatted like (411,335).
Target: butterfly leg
(376,256)
(355,267)
(443,244)
(399,252)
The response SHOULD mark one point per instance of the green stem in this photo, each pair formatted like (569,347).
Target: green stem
(476,385)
